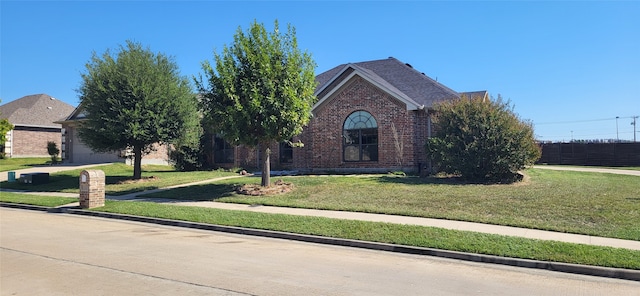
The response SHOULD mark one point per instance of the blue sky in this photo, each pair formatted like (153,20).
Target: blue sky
(569,67)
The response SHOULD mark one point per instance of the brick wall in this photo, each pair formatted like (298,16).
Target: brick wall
(399,130)
(323,137)
(32,142)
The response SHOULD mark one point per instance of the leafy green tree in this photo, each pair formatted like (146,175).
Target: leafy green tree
(261,90)
(5,127)
(481,140)
(133,99)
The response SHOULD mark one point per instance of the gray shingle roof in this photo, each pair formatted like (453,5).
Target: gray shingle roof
(39,110)
(407,83)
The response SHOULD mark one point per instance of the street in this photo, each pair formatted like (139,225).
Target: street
(63,254)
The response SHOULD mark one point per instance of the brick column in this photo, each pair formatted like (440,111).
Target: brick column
(92,189)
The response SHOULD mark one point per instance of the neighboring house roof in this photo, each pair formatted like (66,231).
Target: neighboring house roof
(39,110)
(483,94)
(77,114)
(400,80)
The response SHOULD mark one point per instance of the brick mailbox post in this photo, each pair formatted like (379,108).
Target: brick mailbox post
(92,189)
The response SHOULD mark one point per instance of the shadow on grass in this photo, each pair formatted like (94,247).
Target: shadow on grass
(427,180)
(448,180)
(60,182)
(204,192)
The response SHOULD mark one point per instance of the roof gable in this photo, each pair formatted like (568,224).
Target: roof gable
(400,80)
(39,110)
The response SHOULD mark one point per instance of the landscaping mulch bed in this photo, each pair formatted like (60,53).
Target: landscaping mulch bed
(278,187)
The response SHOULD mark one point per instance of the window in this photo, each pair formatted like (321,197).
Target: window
(360,137)
(286,153)
(222,151)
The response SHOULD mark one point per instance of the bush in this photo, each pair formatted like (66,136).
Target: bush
(481,140)
(192,156)
(52,149)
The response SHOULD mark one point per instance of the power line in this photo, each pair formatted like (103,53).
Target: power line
(579,121)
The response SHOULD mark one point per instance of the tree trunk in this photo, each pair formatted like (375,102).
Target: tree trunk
(137,162)
(266,165)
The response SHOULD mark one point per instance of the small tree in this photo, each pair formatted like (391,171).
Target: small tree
(261,90)
(135,99)
(5,127)
(481,140)
(52,149)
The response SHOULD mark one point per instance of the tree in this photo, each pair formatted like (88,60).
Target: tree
(134,99)
(52,149)
(261,90)
(5,127)
(481,140)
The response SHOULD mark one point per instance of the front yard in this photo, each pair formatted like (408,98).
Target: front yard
(587,203)
(598,204)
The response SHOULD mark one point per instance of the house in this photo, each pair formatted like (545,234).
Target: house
(33,118)
(75,151)
(370,116)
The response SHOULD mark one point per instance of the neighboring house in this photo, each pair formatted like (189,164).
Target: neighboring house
(75,151)
(370,116)
(33,118)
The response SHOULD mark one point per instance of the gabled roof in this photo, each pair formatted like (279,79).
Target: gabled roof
(482,94)
(77,114)
(39,110)
(400,80)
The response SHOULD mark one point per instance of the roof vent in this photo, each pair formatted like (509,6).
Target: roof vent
(52,98)
(50,108)
(409,65)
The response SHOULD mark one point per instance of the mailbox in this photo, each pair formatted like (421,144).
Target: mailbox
(92,191)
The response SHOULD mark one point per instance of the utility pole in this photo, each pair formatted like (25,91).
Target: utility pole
(617,134)
(634,127)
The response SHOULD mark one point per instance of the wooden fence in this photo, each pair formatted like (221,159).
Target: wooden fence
(596,154)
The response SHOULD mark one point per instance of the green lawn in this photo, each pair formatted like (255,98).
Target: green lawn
(410,235)
(590,203)
(605,205)
(38,200)
(12,164)
(119,179)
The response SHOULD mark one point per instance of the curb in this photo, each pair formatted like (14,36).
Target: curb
(608,272)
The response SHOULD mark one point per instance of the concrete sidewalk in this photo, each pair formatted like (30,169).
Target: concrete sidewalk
(440,223)
(588,169)
(395,219)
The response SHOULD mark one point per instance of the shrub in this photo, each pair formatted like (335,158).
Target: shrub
(52,149)
(481,140)
(192,156)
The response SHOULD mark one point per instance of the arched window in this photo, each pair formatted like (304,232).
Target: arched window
(360,137)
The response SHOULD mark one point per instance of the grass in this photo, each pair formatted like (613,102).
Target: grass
(119,179)
(631,168)
(38,200)
(590,203)
(12,164)
(597,204)
(420,236)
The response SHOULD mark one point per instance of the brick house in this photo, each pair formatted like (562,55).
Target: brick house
(33,118)
(371,116)
(75,151)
